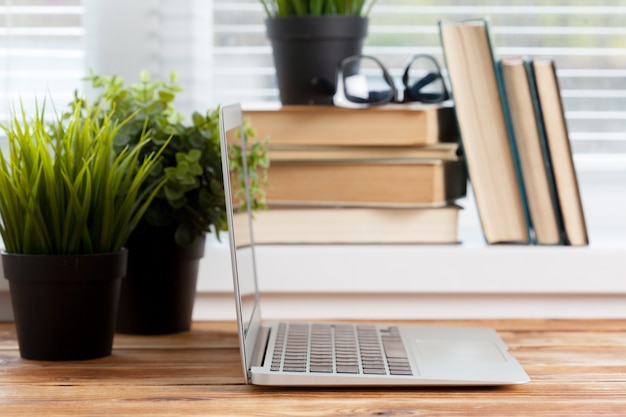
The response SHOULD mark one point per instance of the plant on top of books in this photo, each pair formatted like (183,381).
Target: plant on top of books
(277,8)
(309,38)
(192,201)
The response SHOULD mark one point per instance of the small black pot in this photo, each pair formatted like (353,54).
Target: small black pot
(310,47)
(64,306)
(159,290)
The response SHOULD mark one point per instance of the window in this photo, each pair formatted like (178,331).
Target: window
(222,55)
(586,38)
(41,52)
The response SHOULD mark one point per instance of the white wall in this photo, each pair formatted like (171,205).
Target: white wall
(470,279)
(112,37)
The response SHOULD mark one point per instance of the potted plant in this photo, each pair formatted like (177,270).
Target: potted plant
(68,204)
(158,293)
(309,38)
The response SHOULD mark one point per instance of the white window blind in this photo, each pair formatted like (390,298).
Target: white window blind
(41,52)
(125,37)
(221,52)
(586,38)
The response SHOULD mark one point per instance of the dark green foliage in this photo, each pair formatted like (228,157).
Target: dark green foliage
(192,200)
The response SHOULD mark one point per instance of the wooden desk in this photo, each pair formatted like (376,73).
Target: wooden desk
(578,368)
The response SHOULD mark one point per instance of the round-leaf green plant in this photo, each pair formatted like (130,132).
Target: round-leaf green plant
(191,202)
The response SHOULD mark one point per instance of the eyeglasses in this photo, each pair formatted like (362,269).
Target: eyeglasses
(363,81)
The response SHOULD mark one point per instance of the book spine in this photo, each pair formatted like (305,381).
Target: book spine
(557,138)
(495,222)
(513,146)
(544,147)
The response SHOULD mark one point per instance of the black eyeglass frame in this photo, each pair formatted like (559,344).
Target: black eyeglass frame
(342,98)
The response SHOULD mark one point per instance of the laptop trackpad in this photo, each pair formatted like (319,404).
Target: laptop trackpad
(433,350)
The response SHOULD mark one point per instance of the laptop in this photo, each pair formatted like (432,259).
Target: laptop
(300,353)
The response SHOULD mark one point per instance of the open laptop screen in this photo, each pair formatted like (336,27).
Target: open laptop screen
(239,224)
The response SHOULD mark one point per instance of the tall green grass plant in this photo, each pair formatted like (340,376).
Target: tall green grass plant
(281,8)
(63,188)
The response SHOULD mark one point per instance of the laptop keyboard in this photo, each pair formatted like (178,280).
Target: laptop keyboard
(339,348)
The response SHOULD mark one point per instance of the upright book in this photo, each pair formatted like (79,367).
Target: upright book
(492,165)
(389,125)
(557,137)
(532,151)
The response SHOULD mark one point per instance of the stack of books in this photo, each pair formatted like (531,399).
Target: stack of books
(389,174)
(515,139)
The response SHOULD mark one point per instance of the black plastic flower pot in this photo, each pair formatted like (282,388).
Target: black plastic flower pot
(308,48)
(64,306)
(159,290)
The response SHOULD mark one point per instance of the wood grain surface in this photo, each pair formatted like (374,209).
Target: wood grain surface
(578,368)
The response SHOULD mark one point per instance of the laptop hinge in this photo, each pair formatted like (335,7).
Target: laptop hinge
(261,346)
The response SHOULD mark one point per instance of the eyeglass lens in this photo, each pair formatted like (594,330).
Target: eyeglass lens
(423,81)
(366,81)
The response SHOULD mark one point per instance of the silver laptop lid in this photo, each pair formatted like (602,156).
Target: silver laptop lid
(447,355)
(240,238)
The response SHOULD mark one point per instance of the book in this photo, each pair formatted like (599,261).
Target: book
(531,148)
(413,124)
(484,133)
(443,151)
(412,182)
(557,138)
(354,225)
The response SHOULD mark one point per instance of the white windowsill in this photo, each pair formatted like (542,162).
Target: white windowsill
(467,280)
